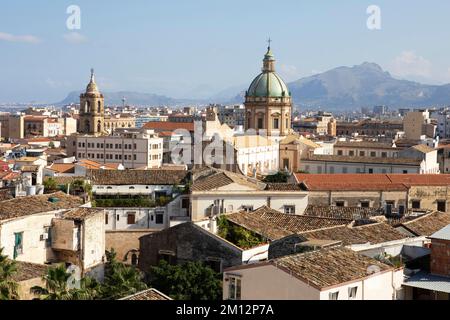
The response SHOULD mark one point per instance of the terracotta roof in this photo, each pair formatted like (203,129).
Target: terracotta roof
(149,294)
(325,268)
(274,225)
(370,233)
(169,126)
(363,144)
(30,168)
(5,194)
(90,164)
(9,176)
(38,140)
(329,267)
(352,213)
(367,182)
(334,158)
(137,177)
(80,214)
(64,180)
(62,167)
(24,206)
(421,179)
(428,224)
(422,148)
(213,179)
(27,159)
(28,271)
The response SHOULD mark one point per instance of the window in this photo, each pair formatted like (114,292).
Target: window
(48,233)
(168,256)
(215,264)
(331,169)
(286,164)
(351,153)
(289,209)
(340,203)
(370,171)
(319,169)
(131,218)
(117,217)
(389,206)
(185,203)
(362,154)
(344,170)
(384,154)
(373,154)
(405,171)
(260,123)
(18,244)
(340,153)
(441,205)
(247,208)
(334,295)
(352,293)
(159,218)
(365,204)
(415,204)
(234,288)
(106,218)
(276,123)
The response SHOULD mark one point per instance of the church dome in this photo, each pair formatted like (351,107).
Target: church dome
(268,83)
(92,86)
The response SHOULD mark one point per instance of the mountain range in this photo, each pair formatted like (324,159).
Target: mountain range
(342,88)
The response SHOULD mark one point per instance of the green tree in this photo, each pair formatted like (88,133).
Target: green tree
(120,280)
(8,287)
(190,281)
(238,235)
(279,177)
(59,285)
(80,186)
(50,185)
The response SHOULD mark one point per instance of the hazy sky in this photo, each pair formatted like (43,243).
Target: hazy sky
(197,48)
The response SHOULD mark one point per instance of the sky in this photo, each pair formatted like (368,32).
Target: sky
(197,48)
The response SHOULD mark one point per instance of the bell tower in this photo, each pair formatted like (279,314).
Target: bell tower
(92,110)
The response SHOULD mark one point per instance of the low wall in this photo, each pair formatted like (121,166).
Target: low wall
(122,241)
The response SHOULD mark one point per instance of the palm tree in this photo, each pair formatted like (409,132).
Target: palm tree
(120,280)
(8,286)
(59,286)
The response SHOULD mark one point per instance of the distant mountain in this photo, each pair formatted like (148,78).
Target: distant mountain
(133,98)
(364,85)
(342,88)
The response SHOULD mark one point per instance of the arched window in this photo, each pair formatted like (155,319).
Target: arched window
(99,126)
(87,126)
(99,107)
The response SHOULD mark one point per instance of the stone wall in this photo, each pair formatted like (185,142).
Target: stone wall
(187,242)
(123,241)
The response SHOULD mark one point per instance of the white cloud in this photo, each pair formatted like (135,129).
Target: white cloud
(74,38)
(408,64)
(55,84)
(289,72)
(19,38)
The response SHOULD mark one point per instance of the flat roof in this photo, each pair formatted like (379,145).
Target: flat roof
(428,281)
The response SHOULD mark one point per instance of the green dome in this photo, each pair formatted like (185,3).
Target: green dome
(268,84)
